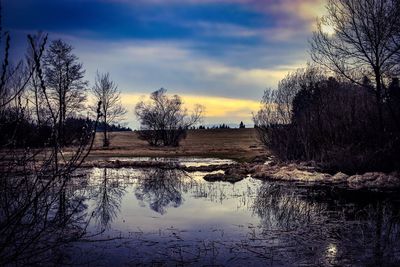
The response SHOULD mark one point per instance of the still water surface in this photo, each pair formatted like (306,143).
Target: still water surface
(171,218)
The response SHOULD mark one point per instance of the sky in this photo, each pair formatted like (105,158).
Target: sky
(218,53)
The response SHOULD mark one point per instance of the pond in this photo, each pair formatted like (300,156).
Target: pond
(173,218)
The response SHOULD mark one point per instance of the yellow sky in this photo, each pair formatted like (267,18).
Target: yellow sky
(217,109)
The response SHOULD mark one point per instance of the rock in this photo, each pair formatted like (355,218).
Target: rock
(339,177)
(261,175)
(216,177)
(208,168)
(236,171)
(290,174)
(255,169)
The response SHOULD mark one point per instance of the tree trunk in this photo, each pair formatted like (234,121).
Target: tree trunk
(379,104)
(106,143)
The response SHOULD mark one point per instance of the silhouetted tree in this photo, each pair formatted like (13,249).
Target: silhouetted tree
(332,122)
(241,125)
(64,77)
(106,92)
(163,119)
(363,41)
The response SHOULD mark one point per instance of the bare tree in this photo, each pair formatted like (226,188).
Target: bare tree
(64,79)
(164,120)
(35,95)
(106,92)
(277,105)
(363,40)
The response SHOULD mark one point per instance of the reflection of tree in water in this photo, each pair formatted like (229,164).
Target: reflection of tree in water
(242,193)
(372,232)
(107,195)
(283,209)
(162,188)
(304,227)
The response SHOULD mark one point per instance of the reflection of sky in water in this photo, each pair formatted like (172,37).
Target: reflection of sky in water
(203,205)
(168,216)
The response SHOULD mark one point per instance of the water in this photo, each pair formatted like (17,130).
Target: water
(172,218)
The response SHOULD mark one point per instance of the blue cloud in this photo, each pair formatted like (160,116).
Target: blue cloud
(207,48)
(125,20)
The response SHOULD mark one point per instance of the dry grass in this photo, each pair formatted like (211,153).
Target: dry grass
(239,144)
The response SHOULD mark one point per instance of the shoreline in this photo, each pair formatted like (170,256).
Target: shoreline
(270,171)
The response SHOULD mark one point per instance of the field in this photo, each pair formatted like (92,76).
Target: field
(238,144)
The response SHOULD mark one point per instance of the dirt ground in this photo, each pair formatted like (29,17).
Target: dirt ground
(238,144)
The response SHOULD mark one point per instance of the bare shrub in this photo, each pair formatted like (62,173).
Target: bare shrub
(163,119)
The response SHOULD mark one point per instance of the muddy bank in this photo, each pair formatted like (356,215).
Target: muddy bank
(268,170)
(311,175)
(304,174)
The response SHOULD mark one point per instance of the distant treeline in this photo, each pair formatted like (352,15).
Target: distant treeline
(112,127)
(220,126)
(19,130)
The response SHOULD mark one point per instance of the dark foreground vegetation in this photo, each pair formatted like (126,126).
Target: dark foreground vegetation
(343,112)
(38,97)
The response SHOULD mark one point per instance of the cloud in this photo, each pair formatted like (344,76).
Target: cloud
(147,66)
(281,20)
(300,10)
(230,93)
(306,10)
